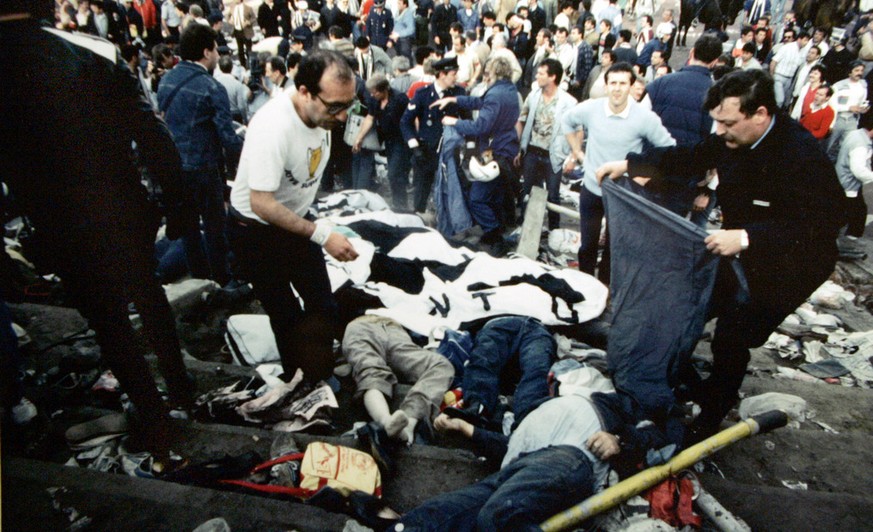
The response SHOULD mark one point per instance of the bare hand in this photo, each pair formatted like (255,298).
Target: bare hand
(442,102)
(612,170)
(356,147)
(725,243)
(700,203)
(517,161)
(444,423)
(603,445)
(571,161)
(340,248)
(449,120)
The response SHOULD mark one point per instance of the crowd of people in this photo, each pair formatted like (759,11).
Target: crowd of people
(545,89)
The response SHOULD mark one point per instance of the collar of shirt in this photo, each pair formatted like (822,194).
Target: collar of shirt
(623,114)
(198,64)
(770,127)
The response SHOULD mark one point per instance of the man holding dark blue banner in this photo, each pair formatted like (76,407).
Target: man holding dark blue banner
(781,202)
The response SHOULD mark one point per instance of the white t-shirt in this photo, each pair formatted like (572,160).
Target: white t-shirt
(281,155)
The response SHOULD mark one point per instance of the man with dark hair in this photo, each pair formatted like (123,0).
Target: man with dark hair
(197,111)
(612,126)
(820,116)
(380,24)
(278,247)
(443,15)
(538,127)
(339,42)
(747,60)
(79,186)
(624,52)
(276,72)
(582,66)
(271,15)
(371,59)
(782,206)
(678,101)
(422,128)
(242,20)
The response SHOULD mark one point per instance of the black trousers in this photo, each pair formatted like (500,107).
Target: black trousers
(106,260)
(280,266)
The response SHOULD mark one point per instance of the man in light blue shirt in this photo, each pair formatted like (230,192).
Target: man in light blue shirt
(614,125)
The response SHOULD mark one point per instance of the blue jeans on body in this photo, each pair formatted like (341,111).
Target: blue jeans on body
(537,168)
(520,496)
(205,195)
(499,341)
(364,170)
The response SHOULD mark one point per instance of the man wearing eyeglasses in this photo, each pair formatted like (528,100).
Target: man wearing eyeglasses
(279,249)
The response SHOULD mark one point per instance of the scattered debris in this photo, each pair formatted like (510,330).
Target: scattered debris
(795,485)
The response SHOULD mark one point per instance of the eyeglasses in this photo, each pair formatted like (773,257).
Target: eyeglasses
(335,108)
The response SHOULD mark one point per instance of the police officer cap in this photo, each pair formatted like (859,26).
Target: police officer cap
(446,65)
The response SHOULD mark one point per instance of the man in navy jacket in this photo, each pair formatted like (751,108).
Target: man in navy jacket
(494,129)
(678,100)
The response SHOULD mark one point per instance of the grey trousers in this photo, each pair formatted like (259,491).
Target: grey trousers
(381,353)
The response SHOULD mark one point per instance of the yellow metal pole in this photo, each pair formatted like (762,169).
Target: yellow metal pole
(644,480)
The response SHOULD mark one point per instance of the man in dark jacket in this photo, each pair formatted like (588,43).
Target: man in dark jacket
(678,100)
(443,15)
(271,16)
(384,109)
(422,128)
(380,24)
(491,202)
(197,111)
(781,202)
(76,181)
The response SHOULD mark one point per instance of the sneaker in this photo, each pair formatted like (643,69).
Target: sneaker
(23,412)
(138,465)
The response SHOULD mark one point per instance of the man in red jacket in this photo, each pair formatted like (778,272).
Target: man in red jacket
(821,115)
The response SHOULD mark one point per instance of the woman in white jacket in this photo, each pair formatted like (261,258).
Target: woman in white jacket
(807,92)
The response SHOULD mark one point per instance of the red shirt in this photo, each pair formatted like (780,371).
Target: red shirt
(818,122)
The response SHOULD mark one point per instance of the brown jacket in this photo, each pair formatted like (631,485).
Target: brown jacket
(248,19)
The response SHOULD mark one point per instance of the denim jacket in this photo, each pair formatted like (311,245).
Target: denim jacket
(198,117)
(558,148)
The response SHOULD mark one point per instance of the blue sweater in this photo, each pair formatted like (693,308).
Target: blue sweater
(610,136)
